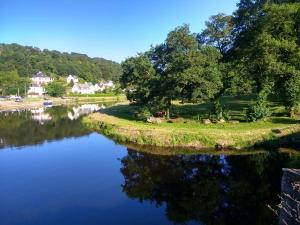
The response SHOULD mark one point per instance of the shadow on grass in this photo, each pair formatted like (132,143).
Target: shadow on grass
(127,112)
(285,120)
(287,141)
(236,107)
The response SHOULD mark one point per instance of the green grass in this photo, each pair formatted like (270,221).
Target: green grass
(119,122)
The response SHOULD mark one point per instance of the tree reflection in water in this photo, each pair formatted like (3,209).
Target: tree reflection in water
(29,127)
(207,189)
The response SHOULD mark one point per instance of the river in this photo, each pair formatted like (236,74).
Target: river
(53,170)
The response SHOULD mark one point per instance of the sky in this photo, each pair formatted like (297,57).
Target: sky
(111,29)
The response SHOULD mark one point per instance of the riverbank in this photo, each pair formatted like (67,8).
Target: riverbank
(38,102)
(117,123)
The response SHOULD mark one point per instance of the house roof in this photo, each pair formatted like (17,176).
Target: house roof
(74,77)
(39,74)
(85,86)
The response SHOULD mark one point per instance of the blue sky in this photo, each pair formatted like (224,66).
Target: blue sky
(112,29)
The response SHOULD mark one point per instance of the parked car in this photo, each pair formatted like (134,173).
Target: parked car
(19,99)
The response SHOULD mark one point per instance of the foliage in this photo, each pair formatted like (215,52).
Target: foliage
(56,89)
(257,112)
(176,69)
(268,43)
(28,60)
(143,114)
(219,112)
(138,78)
(11,83)
(218,32)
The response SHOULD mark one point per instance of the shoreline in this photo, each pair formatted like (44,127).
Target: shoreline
(196,136)
(35,103)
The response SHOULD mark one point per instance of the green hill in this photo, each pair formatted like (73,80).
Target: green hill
(28,60)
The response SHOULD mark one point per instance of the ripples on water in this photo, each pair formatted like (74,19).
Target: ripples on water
(53,170)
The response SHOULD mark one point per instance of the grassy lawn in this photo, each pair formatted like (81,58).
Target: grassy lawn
(119,122)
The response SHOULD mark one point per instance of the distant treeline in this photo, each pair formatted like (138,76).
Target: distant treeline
(29,60)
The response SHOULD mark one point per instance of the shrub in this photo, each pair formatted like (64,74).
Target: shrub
(56,89)
(218,112)
(257,112)
(143,114)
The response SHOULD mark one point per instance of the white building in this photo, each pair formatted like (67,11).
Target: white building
(84,89)
(72,78)
(40,78)
(97,88)
(106,84)
(36,90)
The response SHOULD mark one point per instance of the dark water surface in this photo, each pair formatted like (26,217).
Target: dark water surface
(53,170)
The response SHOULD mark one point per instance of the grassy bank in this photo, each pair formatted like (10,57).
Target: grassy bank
(38,102)
(119,123)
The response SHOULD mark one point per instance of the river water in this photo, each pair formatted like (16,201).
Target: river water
(53,170)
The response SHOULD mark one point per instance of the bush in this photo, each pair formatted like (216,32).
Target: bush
(218,112)
(56,89)
(143,114)
(257,112)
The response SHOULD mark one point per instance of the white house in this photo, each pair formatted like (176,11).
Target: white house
(40,78)
(106,84)
(97,88)
(72,78)
(36,90)
(85,89)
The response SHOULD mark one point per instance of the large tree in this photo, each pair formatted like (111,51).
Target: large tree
(187,71)
(273,54)
(177,69)
(138,78)
(218,32)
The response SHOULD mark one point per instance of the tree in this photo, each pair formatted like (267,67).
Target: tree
(11,83)
(274,54)
(218,32)
(187,72)
(56,89)
(175,69)
(138,78)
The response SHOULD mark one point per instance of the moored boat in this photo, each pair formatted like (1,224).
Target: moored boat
(48,103)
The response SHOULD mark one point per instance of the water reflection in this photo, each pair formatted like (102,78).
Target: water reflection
(27,127)
(40,115)
(207,189)
(85,109)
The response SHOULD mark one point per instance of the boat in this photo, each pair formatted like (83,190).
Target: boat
(48,103)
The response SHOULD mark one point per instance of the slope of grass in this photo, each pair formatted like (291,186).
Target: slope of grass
(119,123)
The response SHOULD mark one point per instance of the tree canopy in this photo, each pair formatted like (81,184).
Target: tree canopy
(28,60)
(254,50)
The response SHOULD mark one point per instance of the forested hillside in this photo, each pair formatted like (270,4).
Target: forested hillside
(28,60)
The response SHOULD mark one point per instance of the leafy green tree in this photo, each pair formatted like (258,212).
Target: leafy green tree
(218,32)
(138,79)
(273,55)
(11,83)
(187,72)
(56,89)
